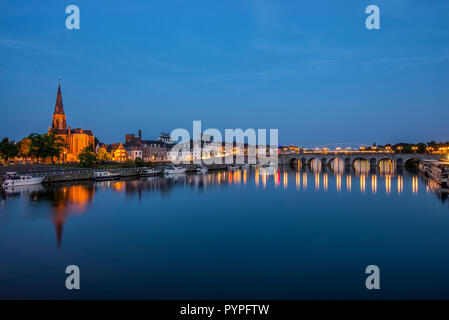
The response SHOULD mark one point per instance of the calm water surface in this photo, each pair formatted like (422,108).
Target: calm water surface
(288,234)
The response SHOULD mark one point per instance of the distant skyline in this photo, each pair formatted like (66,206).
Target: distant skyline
(310,69)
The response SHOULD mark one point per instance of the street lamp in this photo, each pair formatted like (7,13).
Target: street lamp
(414,149)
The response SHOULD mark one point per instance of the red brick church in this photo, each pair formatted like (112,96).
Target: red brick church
(76,139)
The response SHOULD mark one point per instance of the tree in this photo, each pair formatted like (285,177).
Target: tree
(24,148)
(87,157)
(103,155)
(37,146)
(54,146)
(8,149)
(139,162)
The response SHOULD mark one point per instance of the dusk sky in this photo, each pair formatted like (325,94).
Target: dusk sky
(308,68)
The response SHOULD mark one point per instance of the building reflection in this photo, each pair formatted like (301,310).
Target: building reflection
(66,199)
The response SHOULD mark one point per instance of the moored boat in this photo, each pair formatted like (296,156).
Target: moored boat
(15,180)
(436,170)
(174,170)
(106,175)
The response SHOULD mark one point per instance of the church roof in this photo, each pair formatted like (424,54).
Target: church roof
(59,108)
(81,131)
(59,131)
(72,131)
(115,146)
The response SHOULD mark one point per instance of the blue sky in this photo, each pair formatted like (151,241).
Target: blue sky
(309,68)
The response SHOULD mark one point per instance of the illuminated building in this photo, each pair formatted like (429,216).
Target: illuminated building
(76,139)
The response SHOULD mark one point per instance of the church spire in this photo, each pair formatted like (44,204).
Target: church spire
(59,108)
(59,120)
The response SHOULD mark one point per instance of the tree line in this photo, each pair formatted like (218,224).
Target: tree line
(420,147)
(37,146)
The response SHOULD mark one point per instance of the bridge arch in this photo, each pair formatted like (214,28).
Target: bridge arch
(294,162)
(385,159)
(358,158)
(407,161)
(310,159)
(332,158)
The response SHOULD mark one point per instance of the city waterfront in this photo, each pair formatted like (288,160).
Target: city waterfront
(270,233)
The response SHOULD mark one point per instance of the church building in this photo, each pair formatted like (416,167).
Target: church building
(76,139)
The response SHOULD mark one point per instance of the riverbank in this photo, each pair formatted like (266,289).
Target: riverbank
(59,173)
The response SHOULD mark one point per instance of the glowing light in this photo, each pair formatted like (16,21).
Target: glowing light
(325,181)
(298,181)
(388,184)
(317,181)
(285,180)
(415,185)
(400,184)
(362,183)
(339,182)
(304,180)
(348,183)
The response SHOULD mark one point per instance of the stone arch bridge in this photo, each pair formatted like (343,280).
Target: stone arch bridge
(349,158)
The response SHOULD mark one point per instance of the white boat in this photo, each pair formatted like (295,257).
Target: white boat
(245,166)
(174,170)
(106,175)
(16,180)
(201,169)
(149,172)
(233,168)
(436,170)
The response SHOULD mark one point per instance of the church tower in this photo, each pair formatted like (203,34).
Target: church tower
(59,121)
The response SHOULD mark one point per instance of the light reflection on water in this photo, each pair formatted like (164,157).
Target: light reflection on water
(259,199)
